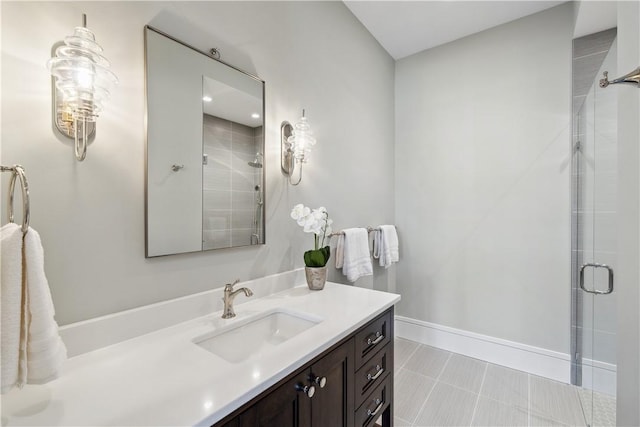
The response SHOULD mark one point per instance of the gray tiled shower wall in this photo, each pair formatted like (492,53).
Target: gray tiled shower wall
(229,182)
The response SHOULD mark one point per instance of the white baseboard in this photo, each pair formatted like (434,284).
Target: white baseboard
(599,376)
(523,357)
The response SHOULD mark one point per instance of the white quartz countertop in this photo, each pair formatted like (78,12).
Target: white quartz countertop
(163,378)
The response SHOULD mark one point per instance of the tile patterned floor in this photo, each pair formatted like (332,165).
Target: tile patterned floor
(434,387)
(605,408)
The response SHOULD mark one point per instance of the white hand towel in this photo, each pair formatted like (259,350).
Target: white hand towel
(340,251)
(357,260)
(385,245)
(11,304)
(45,350)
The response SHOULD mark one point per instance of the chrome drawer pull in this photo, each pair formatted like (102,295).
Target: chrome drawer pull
(371,413)
(379,371)
(379,337)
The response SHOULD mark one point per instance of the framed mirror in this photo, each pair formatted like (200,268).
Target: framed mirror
(204,184)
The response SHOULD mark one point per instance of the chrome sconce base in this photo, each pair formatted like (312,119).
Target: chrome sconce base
(295,146)
(288,161)
(68,127)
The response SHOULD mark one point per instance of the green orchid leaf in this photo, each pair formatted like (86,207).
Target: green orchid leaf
(326,251)
(317,257)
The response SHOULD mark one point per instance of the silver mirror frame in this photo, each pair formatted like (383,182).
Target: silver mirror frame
(214,55)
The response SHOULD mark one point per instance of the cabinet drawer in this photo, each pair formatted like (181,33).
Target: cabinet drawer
(375,404)
(373,372)
(373,337)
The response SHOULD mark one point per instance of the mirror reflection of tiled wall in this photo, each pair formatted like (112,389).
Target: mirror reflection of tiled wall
(231,186)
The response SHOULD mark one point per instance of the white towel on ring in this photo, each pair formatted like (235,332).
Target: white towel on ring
(46,351)
(32,350)
(357,259)
(13,372)
(385,245)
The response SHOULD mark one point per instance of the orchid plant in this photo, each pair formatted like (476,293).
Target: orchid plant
(314,221)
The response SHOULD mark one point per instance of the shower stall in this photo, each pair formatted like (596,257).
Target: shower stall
(233,184)
(256,231)
(594,245)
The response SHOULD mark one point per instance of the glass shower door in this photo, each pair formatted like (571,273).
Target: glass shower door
(596,184)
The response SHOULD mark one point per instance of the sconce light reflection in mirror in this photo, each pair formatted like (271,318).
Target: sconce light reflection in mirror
(82,83)
(295,143)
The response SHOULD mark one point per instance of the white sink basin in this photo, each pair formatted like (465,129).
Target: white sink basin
(256,334)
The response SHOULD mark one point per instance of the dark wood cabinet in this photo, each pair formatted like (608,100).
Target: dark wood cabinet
(332,405)
(377,405)
(286,406)
(350,385)
(373,379)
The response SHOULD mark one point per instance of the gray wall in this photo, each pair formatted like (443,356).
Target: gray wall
(90,215)
(628,275)
(483,181)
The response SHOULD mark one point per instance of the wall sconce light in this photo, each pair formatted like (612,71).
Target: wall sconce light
(295,145)
(82,84)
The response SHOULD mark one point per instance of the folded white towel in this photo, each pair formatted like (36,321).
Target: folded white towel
(45,350)
(11,304)
(357,260)
(385,245)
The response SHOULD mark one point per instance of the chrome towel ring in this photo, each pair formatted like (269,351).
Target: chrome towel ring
(17,171)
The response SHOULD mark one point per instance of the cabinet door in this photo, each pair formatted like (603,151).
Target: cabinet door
(247,419)
(286,406)
(333,404)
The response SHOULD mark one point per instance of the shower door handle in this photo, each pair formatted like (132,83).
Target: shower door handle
(595,291)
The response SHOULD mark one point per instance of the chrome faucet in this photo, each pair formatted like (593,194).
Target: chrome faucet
(229,295)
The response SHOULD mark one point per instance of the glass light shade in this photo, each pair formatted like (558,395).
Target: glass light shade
(301,140)
(82,75)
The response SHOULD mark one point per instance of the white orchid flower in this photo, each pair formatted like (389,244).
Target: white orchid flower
(318,214)
(312,225)
(295,212)
(300,213)
(314,221)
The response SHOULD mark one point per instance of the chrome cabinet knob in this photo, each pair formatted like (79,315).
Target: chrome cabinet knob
(309,390)
(320,381)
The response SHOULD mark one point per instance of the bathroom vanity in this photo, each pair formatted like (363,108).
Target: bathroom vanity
(350,384)
(291,357)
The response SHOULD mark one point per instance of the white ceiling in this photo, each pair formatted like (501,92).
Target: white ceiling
(407,27)
(595,16)
(230,103)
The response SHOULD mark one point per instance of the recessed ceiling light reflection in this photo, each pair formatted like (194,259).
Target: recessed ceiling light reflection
(256,374)
(208,404)
(207,98)
(255,116)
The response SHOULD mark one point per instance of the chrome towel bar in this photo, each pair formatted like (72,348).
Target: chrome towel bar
(338,233)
